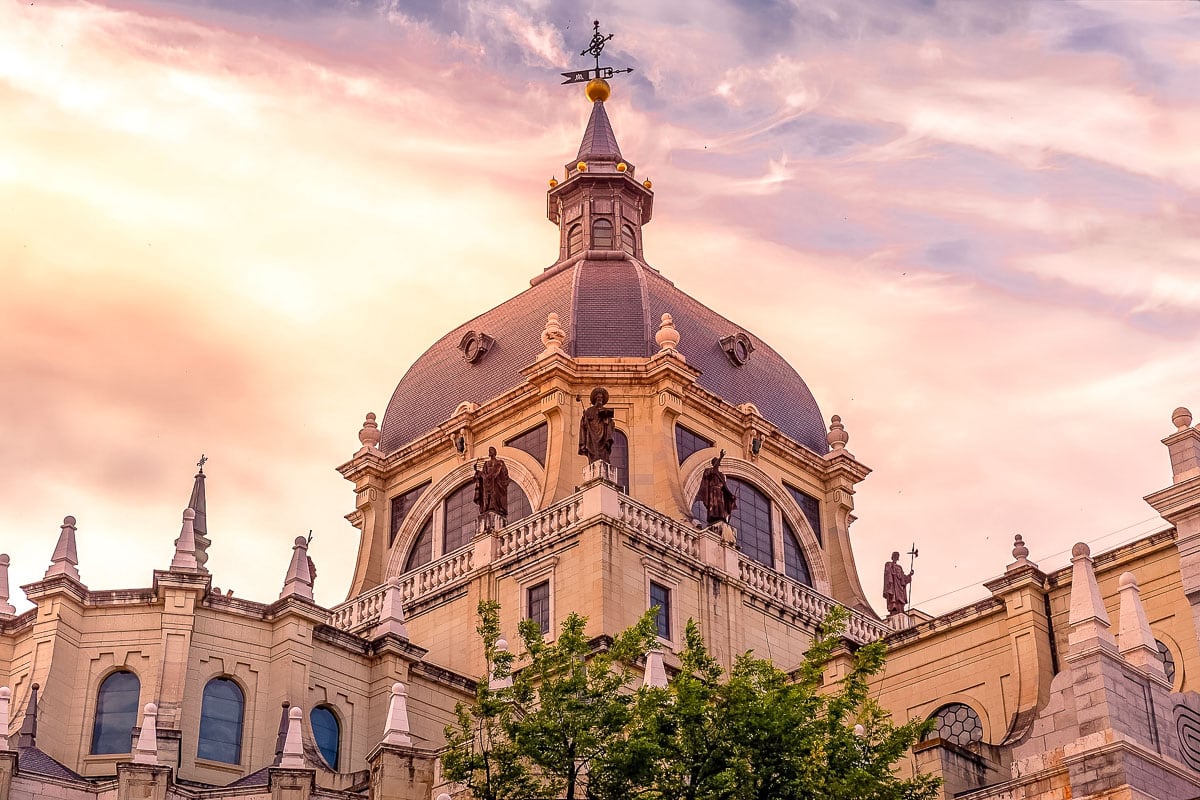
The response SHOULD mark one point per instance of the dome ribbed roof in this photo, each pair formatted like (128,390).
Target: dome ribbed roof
(609,309)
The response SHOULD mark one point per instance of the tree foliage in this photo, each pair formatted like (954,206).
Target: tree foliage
(577,725)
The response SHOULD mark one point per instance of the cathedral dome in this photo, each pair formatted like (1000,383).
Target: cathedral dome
(610,303)
(610,308)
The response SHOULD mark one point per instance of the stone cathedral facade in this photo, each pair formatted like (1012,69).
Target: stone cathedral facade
(1075,683)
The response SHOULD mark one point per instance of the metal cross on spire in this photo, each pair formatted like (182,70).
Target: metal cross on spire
(595,48)
(203,460)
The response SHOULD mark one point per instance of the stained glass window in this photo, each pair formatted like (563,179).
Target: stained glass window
(752,520)
(811,507)
(327,733)
(116,713)
(688,443)
(221,713)
(401,505)
(532,441)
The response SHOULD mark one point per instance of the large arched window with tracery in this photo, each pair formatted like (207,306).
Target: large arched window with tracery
(795,566)
(459,517)
(751,518)
(116,713)
(222,711)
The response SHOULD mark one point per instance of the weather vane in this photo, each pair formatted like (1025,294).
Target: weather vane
(202,461)
(595,48)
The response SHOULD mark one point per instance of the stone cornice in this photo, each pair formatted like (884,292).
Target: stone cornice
(56,585)
(953,619)
(1175,500)
(1109,559)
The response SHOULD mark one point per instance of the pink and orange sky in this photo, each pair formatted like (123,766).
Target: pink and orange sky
(229,227)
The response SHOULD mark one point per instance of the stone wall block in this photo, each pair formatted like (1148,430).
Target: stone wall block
(142,781)
(400,773)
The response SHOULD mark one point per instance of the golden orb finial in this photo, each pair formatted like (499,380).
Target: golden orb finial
(553,182)
(598,90)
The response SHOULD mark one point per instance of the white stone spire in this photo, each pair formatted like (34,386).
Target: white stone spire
(293,746)
(6,608)
(1088,620)
(65,560)
(5,700)
(1136,641)
(391,615)
(396,730)
(146,751)
(656,673)
(185,545)
(299,580)
(506,682)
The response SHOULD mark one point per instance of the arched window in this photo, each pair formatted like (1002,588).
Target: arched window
(422,549)
(221,714)
(957,723)
(602,234)
(752,520)
(518,503)
(116,713)
(620,457)
(794,564)
(460,515)
(327,733)
(574,239)
(628,240)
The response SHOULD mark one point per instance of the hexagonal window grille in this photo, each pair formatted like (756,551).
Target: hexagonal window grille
(957,723)
(1168,661)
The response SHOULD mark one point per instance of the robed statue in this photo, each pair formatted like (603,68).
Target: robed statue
(596,428)
(714,493)
(895,585)
(491,486)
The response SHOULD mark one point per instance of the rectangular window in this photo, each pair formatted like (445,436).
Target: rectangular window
(537,601)
(661,596)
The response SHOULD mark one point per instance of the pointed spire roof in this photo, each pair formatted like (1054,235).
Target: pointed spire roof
(599,142)
(65,560)
(198,504)
(28,735)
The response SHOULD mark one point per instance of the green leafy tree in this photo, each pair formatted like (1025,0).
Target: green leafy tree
(763,734)
(574,724)
(574,701)
(481,753)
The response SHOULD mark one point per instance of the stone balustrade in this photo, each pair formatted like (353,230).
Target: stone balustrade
(805,601)
(359,614)
(658,528)
(538,528)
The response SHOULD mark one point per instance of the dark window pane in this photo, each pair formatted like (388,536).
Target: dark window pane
(752,520)
(794,564)
(620,458)
(574,239)
(401,505)
(538,601)
(422,549)
(327,733)
(628,240)
(661,596)
(518,503)
(461,517)
(532,441)
(602,235)
(116,713)
(688,443)
(811,507)
(221,722)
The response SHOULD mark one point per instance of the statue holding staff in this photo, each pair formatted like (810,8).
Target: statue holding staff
(491,486)
(714,493)
(596,428)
